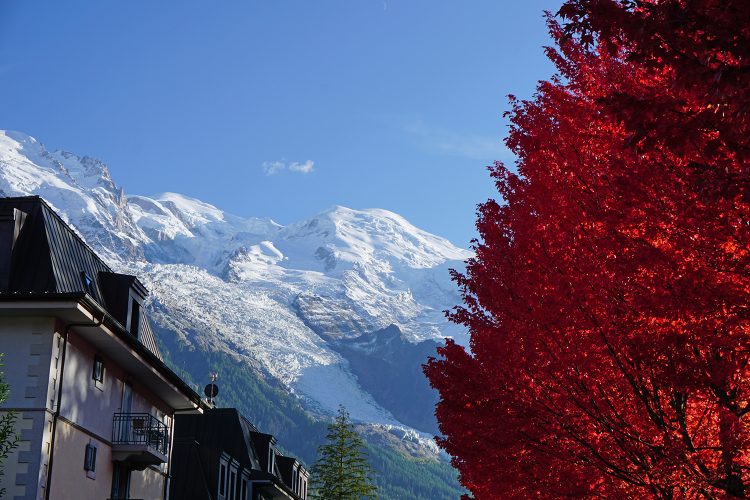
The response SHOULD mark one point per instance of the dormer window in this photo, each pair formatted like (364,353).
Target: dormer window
(232,482)
(245,488)
(223,469)
(135,317)
(271,459)
(88,283)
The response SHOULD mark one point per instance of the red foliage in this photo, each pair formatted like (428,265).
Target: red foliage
(609,299)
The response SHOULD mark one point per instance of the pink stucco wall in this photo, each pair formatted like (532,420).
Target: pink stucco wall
(87,411)
(70,480)
(92,405)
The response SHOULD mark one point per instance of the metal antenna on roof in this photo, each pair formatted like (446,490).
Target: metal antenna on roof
(211,390)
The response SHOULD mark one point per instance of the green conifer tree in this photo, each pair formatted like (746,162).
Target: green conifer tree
(8,435)
(342,471)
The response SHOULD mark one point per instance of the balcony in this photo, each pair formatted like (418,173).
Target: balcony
(139,439)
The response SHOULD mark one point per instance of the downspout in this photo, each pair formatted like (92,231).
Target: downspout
(56,415)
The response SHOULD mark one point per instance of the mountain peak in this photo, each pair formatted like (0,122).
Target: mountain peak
(20,144)
(341,210)
(192,207)
(354,235)
(19,137)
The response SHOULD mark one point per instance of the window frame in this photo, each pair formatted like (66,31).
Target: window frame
(223,479)
(134,320)
(245,486)
(89,460)
(271,459)
(97,372)
(232,483)
(88,284)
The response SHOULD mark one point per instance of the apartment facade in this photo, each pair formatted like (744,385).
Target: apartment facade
(95,403)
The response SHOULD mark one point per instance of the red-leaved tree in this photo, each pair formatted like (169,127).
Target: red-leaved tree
(609,299)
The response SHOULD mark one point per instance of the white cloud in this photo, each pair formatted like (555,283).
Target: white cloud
(274,167)
(302,168)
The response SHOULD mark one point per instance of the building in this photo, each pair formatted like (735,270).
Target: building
(95,403)
(220,455)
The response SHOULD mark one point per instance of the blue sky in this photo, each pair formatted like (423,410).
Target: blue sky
(280,108)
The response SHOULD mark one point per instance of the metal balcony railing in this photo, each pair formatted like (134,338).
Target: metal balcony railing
(140,428)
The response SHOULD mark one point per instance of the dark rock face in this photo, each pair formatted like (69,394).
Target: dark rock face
(390,368)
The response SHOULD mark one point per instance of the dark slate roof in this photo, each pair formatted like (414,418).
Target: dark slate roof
(220,429)
(261,441)
(199,441)
(49,257)
(147,336)
(286,465)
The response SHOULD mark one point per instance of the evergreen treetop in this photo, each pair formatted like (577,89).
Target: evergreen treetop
(342,471)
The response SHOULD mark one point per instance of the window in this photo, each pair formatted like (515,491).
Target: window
(223,472)
(89,461)
(88,283)
(120,481)
(98,372)
(222,480)
(164,419)
(245,482)
(135,317)
(232,484)
(271,457)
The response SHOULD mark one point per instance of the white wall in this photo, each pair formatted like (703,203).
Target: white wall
(31,353)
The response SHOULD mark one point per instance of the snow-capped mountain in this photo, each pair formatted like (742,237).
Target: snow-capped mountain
(281,298)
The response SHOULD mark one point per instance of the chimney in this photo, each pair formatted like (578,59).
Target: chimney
(11,222)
